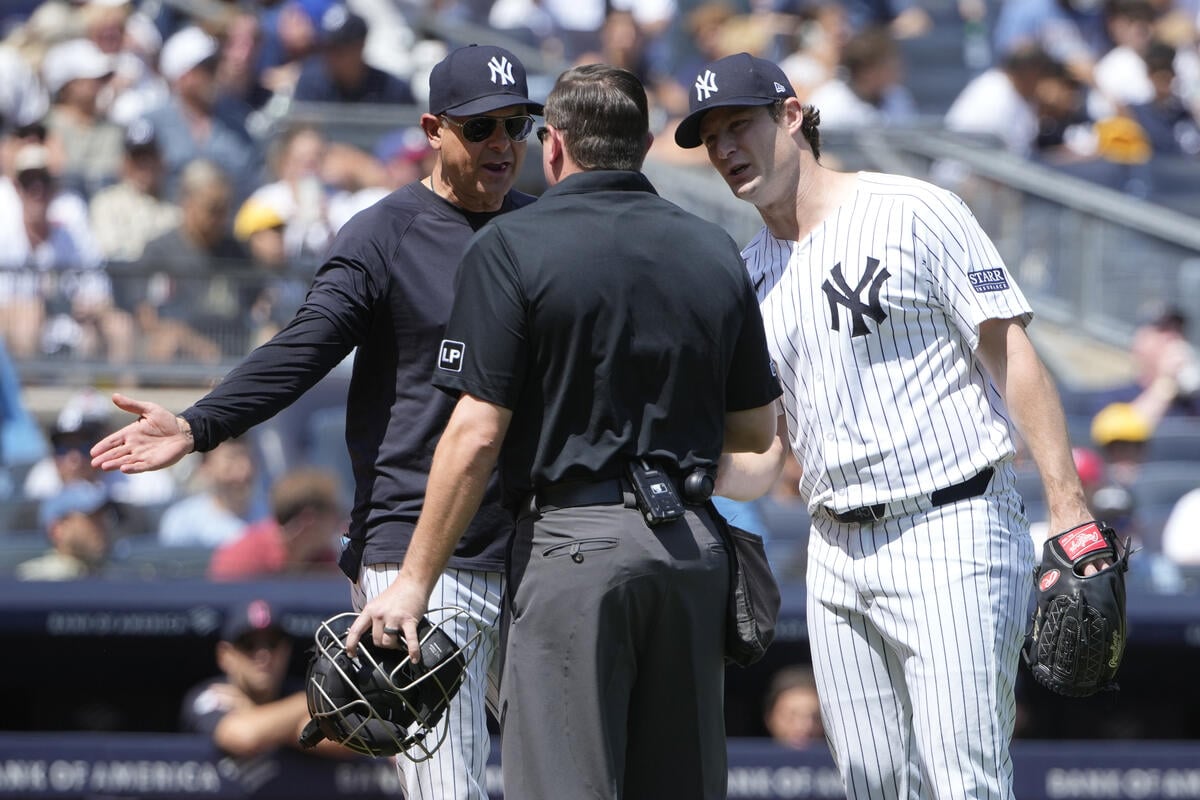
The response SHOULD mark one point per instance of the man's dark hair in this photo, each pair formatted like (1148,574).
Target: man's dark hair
(808,126)
(603,114)
(1159,57)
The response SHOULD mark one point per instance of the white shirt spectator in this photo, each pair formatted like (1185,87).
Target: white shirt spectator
(842,109)
(1181,534)
(1121,79)
(23,99)
(989,104)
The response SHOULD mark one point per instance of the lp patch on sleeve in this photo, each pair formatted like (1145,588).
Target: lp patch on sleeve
(450,356)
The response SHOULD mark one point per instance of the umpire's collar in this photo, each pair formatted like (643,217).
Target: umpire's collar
(601,180)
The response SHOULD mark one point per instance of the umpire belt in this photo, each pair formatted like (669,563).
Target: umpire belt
(971,487)
(572,494)
(609,492)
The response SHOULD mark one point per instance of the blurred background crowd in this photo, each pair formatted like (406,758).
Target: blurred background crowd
(171,173)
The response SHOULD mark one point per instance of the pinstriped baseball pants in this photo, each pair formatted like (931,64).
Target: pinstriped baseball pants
(456,771)
(915,625)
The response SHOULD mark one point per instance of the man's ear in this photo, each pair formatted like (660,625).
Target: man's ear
(432,126)
(793,114)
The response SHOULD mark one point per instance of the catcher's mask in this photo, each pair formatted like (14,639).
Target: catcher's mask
(381,703)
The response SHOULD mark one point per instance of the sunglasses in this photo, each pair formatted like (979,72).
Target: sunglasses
(479,129)
(543,132)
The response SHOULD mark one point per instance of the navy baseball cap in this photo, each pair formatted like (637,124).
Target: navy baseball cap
(476,79)
(339,25)
(737,80)
(251,617)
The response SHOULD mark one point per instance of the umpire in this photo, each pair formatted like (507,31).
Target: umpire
(601,339)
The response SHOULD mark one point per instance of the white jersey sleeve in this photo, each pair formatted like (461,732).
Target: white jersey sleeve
(968,275)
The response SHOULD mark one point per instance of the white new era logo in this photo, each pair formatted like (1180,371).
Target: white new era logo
(706,85)
(779,87)
(501,71)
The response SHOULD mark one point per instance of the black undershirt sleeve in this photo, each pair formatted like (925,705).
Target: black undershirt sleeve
(268,380)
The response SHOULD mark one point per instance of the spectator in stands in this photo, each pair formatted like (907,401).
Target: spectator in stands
(137,87)
(1121,432)
(1181,534)
(792,712)
(300,537)
(1071,31)
(75,73)
(1002,101)
(289,34)
(21,440)
(339,73)
(1066,133)
(623,45)
(77,521)
(128,215)
(82,419)
(1170,124)
(238,69)
(193,125)
(822,30)
(281,287)
(73,310)
(300,194)
(225,504)
(1151,569)
(903,19)
(869,90)
(197,307)
(1120,78)
(564,28)
(1168,367)
(703,24)
(405,155)
(23,97)
(253,707)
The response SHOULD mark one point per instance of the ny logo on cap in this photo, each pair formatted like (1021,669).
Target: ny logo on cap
(501,70)
(706,85)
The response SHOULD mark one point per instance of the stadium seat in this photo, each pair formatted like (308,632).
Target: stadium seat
(1176,439)
(144,557)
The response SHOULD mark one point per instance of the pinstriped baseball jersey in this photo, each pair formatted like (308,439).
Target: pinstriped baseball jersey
(871,319)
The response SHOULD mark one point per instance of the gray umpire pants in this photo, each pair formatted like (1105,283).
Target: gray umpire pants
(613,678)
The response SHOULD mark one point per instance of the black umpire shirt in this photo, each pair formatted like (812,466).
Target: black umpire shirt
(385,288)
(613,325)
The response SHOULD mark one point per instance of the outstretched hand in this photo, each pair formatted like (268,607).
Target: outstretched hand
(156,439)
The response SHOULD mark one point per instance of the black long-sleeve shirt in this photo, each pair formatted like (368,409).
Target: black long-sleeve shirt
(386,288)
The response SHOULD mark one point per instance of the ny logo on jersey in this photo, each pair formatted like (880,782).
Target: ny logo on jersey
(841,295)
(706,85)
(501,69)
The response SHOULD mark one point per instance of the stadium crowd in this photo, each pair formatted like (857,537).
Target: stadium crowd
(160,205)
(157,203)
